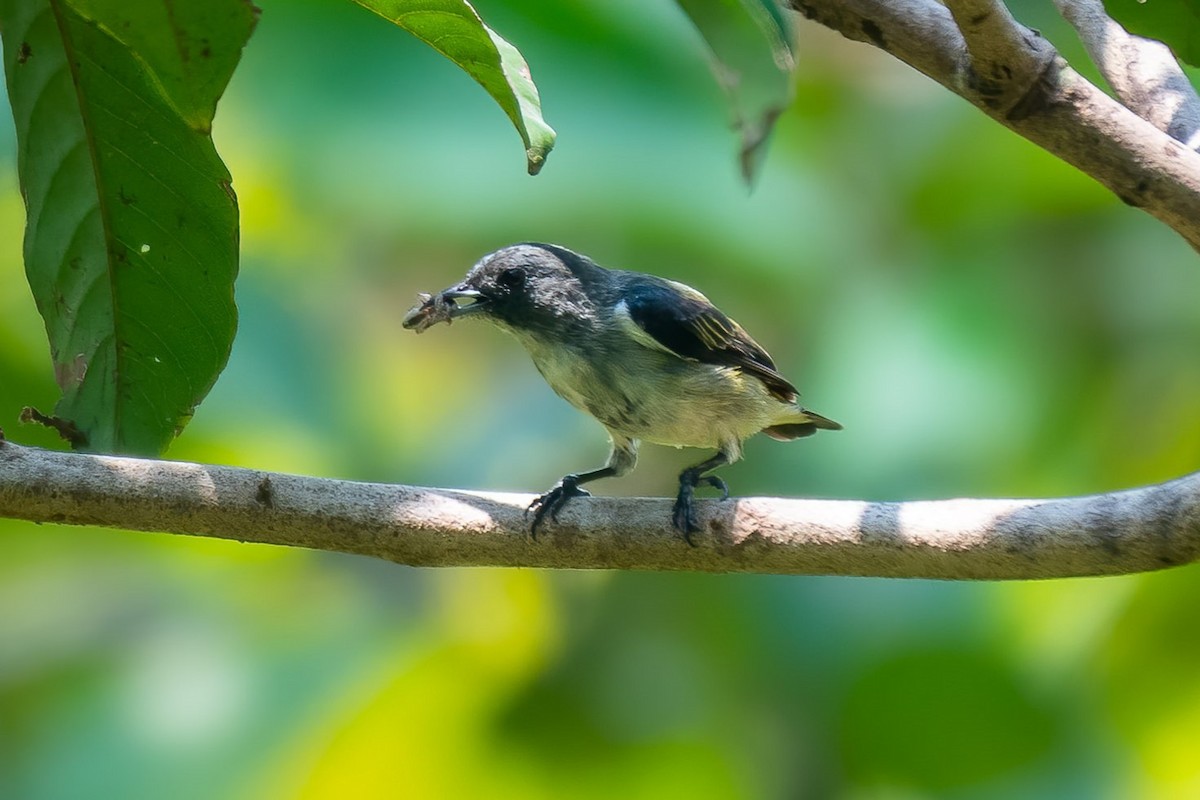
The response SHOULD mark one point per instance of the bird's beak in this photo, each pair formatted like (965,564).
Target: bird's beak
(475,301)
(444,307)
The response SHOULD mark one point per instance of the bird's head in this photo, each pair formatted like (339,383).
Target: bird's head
(521,287)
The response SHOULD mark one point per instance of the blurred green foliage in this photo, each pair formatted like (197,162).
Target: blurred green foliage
(750,42)
(984,320)
(1176,22)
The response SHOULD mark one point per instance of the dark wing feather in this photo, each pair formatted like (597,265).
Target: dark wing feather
(683,321)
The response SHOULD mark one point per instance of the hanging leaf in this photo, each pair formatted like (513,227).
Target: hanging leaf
(131,240)
(454,29)
(750,42)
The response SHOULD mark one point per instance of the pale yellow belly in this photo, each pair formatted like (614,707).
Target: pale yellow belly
(659,398)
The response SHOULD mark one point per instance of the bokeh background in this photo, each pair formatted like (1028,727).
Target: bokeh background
(983,319)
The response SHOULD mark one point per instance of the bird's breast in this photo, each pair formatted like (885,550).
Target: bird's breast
(590,381)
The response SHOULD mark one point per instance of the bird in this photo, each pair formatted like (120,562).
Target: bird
(651,359)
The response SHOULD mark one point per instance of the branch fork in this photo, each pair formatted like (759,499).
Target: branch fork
(978,50)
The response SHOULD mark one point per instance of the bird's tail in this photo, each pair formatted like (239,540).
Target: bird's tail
(810,423)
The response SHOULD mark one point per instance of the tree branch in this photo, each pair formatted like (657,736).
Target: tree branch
(1109,534)
(1057,109)
(1143,73)
(1004,60)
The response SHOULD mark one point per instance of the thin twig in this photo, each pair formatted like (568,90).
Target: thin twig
(1109,534)
(1143,73)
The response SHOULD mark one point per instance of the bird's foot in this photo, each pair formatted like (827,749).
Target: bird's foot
(716,483)
(553,501)
(683,515)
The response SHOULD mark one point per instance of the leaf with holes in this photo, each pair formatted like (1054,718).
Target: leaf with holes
(454,29)
(750,43)
(131,238)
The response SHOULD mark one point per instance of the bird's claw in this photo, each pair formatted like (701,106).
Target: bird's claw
(683,514)
(552,502)
(716,483)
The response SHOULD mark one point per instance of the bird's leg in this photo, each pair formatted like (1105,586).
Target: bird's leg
(622,459)
(683,516)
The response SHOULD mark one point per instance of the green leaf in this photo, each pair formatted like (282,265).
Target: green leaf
(454,29)
(1173,22)
(750,42)
(191,48)
(131,239)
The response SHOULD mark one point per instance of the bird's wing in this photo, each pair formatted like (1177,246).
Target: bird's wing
(679,319)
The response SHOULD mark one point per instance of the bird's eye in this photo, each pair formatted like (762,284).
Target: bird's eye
(512,278)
